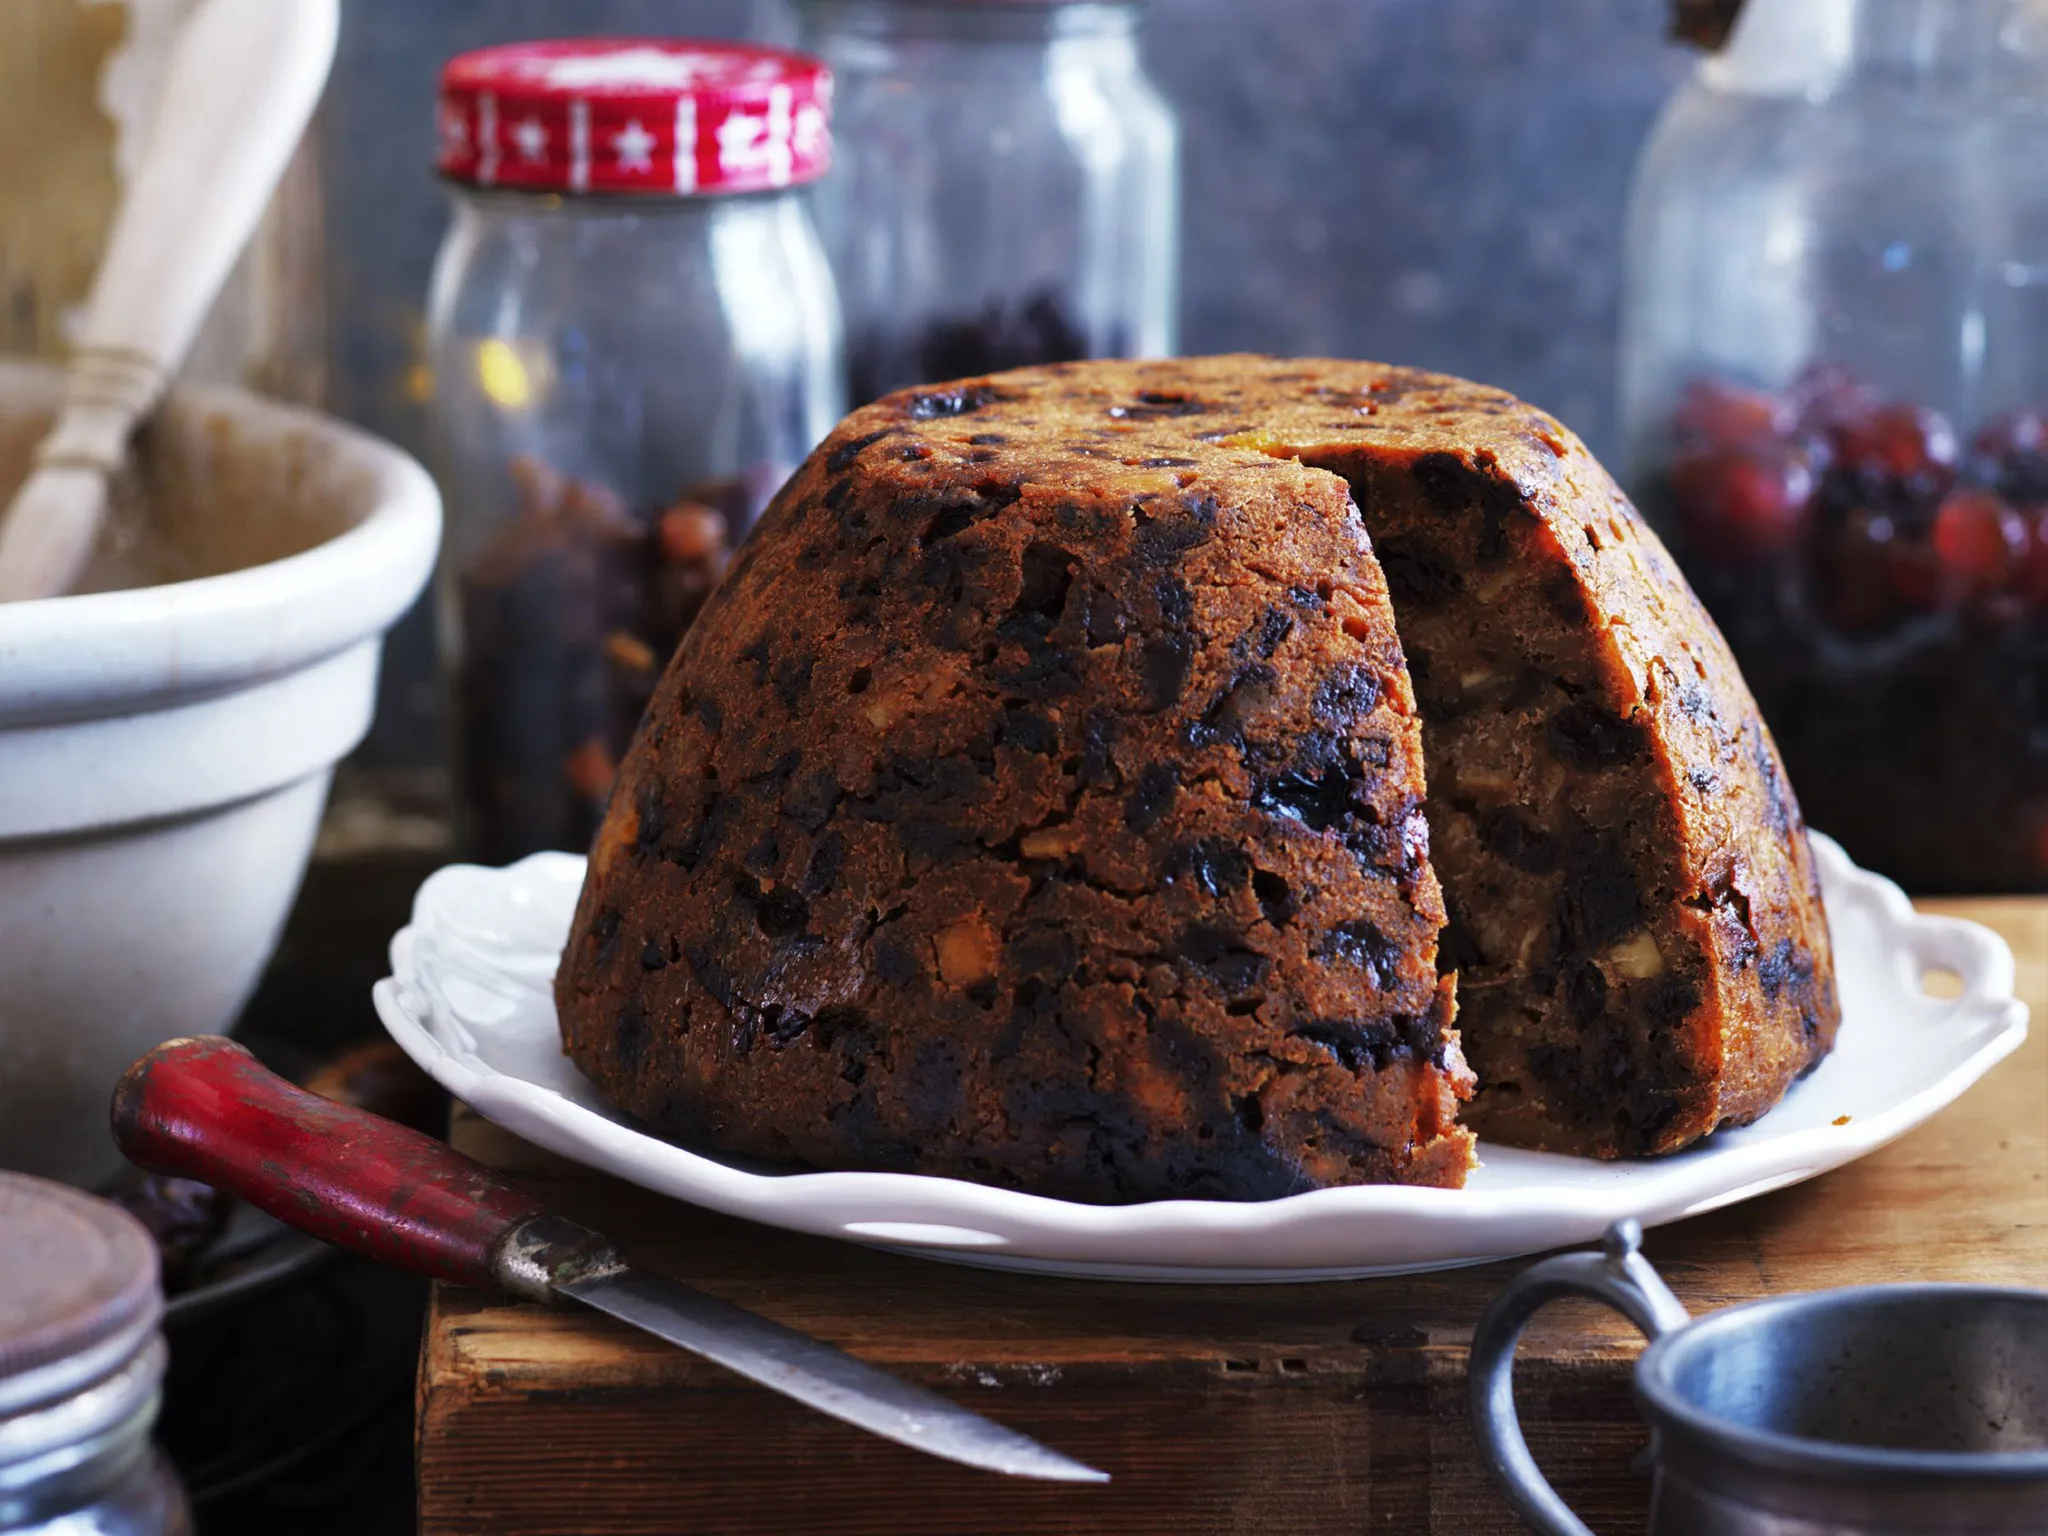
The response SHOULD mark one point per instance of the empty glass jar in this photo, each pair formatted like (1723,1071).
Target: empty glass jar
(1006,190)
(1835,379)
(635,340)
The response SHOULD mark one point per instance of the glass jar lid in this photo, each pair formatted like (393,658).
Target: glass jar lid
(635,115)
(79,1295)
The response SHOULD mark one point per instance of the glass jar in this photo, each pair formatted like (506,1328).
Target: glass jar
(1835,389)
(634,340)
(81,1369)
(1007,187)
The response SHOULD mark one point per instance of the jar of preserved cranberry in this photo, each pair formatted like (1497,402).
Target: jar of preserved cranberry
(1835,387)
(635,340)
(1007,190)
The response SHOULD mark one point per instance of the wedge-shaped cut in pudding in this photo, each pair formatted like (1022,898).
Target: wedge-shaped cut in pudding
(1112,781)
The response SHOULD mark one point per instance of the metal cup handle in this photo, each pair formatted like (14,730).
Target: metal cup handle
(1621,1277)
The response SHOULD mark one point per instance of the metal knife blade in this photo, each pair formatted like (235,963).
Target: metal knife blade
(820,1375)
(205,1109)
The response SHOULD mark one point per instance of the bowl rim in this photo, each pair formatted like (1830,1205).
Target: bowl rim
(79,657)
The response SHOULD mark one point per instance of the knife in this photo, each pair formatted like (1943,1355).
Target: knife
(203,1108)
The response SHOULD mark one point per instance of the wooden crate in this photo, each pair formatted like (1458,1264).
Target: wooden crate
(1275,1410)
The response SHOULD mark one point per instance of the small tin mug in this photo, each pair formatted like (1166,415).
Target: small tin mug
(1882,1410)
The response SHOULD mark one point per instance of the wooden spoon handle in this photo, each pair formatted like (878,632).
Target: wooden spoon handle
(241,84)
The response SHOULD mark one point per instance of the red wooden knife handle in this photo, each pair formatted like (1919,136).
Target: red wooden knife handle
(204,1108)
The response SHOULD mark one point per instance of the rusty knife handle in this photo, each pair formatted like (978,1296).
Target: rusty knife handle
(203,1108)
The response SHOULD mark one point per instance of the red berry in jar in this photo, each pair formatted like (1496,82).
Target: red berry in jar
(2010,452)
(1903,441)
(1918,581)
(1827,393)
(1819,386)
(1738,507)
(1717,413)
(1980,540)
(2015,432)
(2032,582)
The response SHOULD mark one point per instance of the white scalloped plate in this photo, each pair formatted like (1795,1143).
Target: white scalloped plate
(470,1001)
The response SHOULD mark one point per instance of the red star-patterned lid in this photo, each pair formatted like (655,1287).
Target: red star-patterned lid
(635,115)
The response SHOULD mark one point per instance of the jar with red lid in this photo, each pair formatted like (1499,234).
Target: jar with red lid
(1835,388)
(1007,191)
(635,339)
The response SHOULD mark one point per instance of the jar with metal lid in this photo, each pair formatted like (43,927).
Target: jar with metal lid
(81,1369)
(1835,388)
(635,340)
(1007,189)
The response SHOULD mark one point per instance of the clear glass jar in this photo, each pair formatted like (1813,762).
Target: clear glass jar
(84,1465)
(1835,388)
(1007,186)
(622,379)
(81,1369)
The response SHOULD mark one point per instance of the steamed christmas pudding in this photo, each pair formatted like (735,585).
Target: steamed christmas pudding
(1225,777)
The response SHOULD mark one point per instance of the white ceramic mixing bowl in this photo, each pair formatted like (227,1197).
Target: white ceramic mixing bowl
(165,751)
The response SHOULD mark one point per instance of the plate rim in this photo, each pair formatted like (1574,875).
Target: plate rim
(1713,1178)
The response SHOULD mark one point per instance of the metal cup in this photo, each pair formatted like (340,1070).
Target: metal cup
(1882,1410)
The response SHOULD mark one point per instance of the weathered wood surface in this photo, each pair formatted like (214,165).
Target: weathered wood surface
(1296,1409)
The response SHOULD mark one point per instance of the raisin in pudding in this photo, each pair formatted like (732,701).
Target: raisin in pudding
(1883,581)
(1225,777)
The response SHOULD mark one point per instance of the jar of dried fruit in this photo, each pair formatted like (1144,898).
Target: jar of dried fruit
(1835,385)
(1007,190)
(635,339)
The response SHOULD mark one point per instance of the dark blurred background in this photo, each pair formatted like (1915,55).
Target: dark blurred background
(1432,182)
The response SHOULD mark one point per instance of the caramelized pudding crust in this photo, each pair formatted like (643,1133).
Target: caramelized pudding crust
(1041,801)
